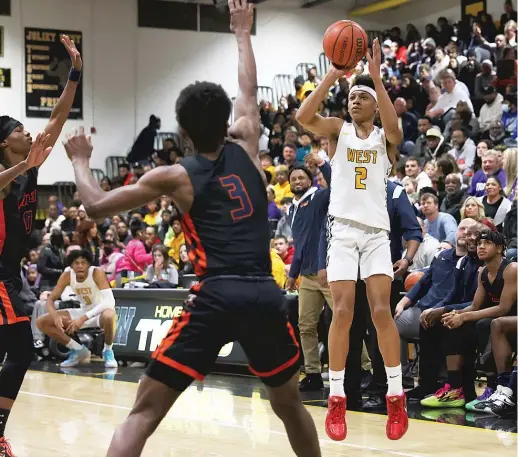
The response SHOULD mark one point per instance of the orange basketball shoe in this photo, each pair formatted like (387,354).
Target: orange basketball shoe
(336,427)
(397,421)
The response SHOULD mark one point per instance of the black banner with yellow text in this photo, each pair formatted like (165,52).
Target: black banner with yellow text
(47,64)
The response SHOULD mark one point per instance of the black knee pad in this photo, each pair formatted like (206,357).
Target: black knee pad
(19,358)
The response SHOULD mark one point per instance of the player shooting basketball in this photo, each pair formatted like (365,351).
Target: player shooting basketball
(362,156)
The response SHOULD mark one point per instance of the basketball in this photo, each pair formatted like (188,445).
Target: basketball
(412,278)
(345,43)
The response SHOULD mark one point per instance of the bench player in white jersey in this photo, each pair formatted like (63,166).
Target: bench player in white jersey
(93,291)
(361,156)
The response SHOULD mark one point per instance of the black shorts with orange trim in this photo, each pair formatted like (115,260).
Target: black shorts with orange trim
(249,310)
(11,306)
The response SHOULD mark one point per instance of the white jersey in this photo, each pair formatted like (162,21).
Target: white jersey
(360,169)
(87,292)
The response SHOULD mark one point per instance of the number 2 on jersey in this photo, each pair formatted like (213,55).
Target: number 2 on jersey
(236,190)
(361,175)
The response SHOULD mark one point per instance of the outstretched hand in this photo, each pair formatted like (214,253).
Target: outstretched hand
(78,145)
(375,59)
(39,152)
(241,15)
(74,54)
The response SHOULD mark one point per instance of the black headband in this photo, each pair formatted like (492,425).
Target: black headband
(494,237)
(7,125)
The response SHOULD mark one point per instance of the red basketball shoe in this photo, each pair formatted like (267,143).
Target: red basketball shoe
(336,427)
(397,422)
(5,448)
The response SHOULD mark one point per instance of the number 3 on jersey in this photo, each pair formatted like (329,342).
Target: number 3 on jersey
(236,190)
(361,175)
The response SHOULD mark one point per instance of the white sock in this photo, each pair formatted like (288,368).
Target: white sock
(336,382)
(108,347)
(395,380)
(73,344)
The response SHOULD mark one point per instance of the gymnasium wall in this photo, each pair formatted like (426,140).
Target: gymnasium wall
(133,72)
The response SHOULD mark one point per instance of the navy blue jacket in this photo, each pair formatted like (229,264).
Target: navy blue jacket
(466,282)
(436,282)
(403,224)
(306,226)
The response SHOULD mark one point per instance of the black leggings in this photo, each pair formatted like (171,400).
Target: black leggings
(16,342)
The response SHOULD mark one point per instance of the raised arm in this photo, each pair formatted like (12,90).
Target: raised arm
(98,203)
(388,113)
(246,127)
(62,109)
(308,116)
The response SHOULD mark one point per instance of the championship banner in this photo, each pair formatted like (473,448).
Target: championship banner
(47,64)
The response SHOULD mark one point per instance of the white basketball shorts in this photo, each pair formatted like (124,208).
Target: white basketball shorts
(76,313)
(351,244)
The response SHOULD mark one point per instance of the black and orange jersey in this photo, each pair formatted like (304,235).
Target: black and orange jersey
(227,229)
(17,213)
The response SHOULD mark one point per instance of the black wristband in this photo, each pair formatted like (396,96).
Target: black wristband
(74,75)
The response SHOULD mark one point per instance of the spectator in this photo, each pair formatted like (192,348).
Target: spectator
(165,224)
(482,147)
(151,238)
(175,239)
(412,34)
(473,209)
(435,143)
(124,176)
(408,124)
(106,184)
(324,148)
(69,223)
(464,151)
(510,33)
(274,213)
(410,185)
(51,262)
(143,148)
(284,250)
(160,270)
(184,266)
(496,133)
(511,172)
(426,252)
(509,115)
(492,108)
(289,154)
(282,188)
(442,62)
(53,220)
(123,234)
(455,196)
(430,290)
(485,78)
(433,94)
(135,258)
(423,125)
(33,279)
(305,146)
(489,168)
(509,15)
(152,217)
(111,254)
(413,170)
(468,72)
(439,225)
(284,226)
(496,206)
(88,238)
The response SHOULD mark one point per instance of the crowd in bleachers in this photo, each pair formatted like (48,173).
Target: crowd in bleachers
(454,91)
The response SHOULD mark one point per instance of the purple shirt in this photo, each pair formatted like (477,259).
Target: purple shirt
(273,211)
(478,183)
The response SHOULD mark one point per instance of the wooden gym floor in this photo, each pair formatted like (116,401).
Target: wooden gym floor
(75,414)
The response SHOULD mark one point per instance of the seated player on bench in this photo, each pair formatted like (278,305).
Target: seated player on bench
(97,309)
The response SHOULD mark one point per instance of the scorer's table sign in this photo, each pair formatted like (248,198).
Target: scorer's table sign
(47,64)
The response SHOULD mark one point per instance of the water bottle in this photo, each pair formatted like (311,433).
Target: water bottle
(131,279)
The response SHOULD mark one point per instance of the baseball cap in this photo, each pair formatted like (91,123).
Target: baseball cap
(488,90)
(387,43)
(434,132)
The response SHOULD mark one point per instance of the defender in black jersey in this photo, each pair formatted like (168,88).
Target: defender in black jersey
(20,159)
(221,195)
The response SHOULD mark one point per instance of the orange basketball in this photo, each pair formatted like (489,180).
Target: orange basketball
(412,278)
(345,43)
